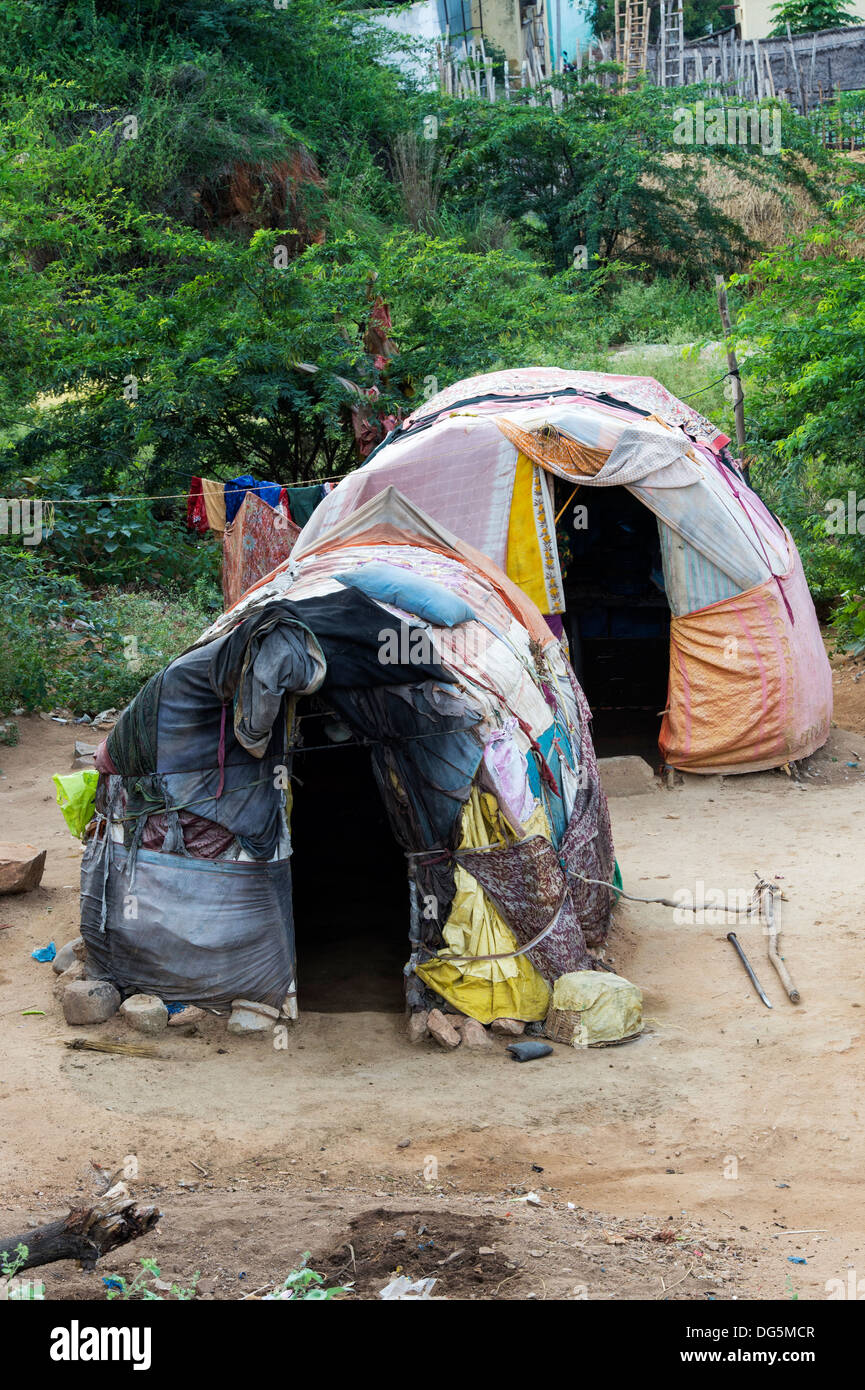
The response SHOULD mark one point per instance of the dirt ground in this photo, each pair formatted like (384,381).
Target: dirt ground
(698,1162)
(848,683)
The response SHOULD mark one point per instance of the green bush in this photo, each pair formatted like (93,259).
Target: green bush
(662,311)
(64,647)
(803,325)
(119,541)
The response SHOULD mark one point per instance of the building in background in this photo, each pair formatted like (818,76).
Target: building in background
(521,30)
(755,19)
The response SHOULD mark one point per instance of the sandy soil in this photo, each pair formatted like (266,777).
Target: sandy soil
(848,685)
(692,1163)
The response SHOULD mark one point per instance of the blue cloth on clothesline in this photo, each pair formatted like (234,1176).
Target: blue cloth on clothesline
(237,488)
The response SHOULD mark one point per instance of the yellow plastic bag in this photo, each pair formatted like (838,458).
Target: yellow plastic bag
(610,1007)
(76,795)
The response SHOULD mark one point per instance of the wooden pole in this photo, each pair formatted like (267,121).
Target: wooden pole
(758,76)
(802,106)
(770,80)
(733,369)
(767,892)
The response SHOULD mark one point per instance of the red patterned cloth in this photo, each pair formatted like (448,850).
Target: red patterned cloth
(369,429)
(258,539)
(203,838)
(196,512)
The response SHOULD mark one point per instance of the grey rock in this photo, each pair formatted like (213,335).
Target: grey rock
(21,867)
(146,1013)
(249,1018)
(90,1001)
(627,776)
(510,1027)
(83,755)
(66,956)
(473,1034)
(190,1014)
(76,971)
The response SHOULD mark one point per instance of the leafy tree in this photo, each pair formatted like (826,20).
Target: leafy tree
(158,348)
(215,82)
(806,16)
(804,325)
(460,312)
(604,171)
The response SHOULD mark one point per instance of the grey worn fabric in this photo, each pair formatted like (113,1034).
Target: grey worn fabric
(286,659)
(192,931)
(243,795)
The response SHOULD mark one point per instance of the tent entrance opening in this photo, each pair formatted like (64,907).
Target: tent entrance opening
(617,617)
(349,882)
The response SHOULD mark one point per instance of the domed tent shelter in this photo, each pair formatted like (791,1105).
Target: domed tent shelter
(620,512)
(245,764)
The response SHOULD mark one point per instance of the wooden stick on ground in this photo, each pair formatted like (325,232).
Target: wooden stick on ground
(86,1234)
(767,892)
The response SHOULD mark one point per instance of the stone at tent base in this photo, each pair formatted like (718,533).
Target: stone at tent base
(76,971)
(442,1030)
(21,867)
(417,1026)
(66,955)
(626,776)
(146,1013)
(473,1034)
(90,1001)
(83,755)
(190,1014)
(249,1018)
(510,1027)
(80,969)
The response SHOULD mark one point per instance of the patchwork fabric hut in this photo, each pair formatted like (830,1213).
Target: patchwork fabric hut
(622,514)
(234,825)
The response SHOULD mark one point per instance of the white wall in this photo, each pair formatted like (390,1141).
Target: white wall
(420,22)
(757,20)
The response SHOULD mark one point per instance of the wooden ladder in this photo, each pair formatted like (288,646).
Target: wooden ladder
(632,37)
(671,44)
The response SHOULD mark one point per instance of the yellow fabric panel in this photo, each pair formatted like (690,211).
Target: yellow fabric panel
(214,504)
(525,564)
(525,997)
(495,988)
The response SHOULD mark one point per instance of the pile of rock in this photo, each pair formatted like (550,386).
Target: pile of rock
(451,1030)
(87,1000)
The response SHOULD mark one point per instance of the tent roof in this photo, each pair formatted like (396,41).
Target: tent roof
(638,395)
(388,508)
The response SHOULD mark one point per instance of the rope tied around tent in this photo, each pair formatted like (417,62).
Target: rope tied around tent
(664,902)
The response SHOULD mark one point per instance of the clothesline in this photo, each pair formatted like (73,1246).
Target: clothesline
(155,497)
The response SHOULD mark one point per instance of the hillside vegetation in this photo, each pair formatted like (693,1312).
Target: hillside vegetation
(201,201)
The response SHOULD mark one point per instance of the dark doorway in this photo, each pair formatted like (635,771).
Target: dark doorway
(351,901)
(617,616)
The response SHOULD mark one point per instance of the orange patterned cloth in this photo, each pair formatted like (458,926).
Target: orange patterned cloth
(549,445)
(750,686)
(258,539)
